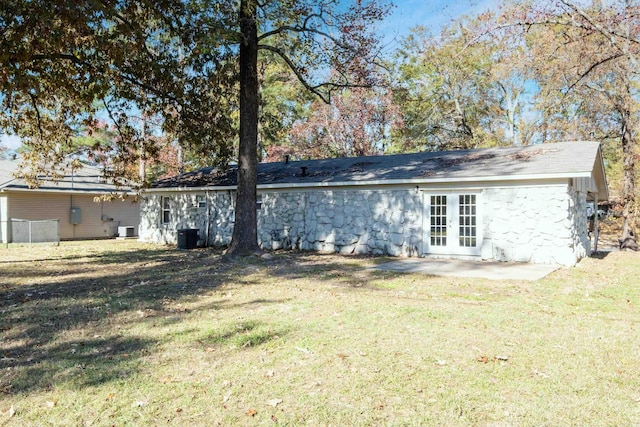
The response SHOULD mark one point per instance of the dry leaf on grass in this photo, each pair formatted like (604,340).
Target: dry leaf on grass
(251,412)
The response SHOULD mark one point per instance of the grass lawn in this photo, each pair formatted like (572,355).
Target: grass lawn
(115,333)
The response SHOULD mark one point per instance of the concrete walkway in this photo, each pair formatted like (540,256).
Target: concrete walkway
(462,268)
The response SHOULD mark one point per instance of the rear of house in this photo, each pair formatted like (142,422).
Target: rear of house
(525,204)
(75,204)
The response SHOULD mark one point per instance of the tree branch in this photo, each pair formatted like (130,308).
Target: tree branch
(123,75)
(296,71)
(37,110)
(591,68)
(303,29)
(325,97)
(608,34)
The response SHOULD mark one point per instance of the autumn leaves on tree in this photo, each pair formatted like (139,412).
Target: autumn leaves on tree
(228,81)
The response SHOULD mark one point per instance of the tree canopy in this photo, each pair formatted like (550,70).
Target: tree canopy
(213,82)
(192,63)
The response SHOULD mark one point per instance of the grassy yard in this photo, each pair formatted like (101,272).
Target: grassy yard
(116,333)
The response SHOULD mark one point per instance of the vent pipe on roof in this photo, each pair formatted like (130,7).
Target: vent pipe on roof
(286,158)
(304,170)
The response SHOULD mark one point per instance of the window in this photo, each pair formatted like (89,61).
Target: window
(200,201)
(258,202)
(165,203)
(467,220)
(438,220)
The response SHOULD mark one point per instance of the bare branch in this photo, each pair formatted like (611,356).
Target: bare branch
(591,68)
(296,71)
(325,97)
(303,29)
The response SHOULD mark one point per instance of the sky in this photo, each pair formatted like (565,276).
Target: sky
(407,14)
(432,14)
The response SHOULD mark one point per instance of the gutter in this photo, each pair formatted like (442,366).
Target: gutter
(414,181)
(65,191)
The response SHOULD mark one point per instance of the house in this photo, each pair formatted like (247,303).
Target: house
(525,204)
(74,201)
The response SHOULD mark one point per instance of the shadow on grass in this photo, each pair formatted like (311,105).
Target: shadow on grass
(77,363)
(245,334)
(599,254)
(99,292)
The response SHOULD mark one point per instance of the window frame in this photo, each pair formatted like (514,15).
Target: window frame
(165,210)
(201,201)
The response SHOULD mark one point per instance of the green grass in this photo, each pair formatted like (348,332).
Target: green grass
(120,333)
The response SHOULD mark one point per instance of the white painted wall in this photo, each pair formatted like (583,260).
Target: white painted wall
(536,223)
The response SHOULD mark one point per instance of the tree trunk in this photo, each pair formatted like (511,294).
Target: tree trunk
(244,240)
(628,168)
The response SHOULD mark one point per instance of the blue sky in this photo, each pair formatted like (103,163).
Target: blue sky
(406,14)
(431,14)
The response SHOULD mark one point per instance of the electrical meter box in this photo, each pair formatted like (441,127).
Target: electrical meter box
(76,216)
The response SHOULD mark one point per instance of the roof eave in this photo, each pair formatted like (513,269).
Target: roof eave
(413,181)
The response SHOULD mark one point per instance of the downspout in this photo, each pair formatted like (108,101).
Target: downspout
(596,231)
(73,226)
(304,220)
(206,198)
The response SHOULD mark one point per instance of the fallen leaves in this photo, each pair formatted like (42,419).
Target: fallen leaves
(497,358)
(482,359)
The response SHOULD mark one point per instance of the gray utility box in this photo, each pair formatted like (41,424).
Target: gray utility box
(126,231)
(76,216)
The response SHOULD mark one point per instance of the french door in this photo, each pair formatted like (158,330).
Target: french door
(452,224)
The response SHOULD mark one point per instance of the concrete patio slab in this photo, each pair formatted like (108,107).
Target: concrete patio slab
(465,268)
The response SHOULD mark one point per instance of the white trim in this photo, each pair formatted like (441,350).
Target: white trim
(452,248)
(382,182)
(66,191)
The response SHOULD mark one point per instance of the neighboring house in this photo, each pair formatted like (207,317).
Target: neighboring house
(524,204)
(72,200)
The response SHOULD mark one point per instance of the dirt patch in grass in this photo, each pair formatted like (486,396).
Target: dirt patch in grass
(121,333)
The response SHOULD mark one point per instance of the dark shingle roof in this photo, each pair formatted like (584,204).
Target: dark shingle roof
(559,159)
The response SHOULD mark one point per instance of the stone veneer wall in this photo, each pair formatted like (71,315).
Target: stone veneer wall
(543,225)
(539,224)
(217,216)
(345,221)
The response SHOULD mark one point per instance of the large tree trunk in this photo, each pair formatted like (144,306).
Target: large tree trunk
(629,186)
(244,240)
